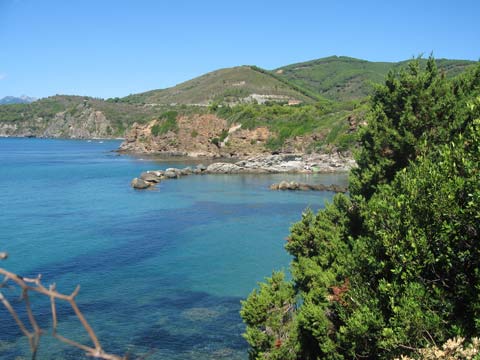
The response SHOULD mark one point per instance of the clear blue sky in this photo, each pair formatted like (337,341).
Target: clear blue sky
(108,48)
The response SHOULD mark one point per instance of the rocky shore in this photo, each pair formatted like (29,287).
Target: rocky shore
(269,164)
(293,185)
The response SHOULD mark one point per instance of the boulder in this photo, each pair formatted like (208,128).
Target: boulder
(140,184)
(292,185)
(175,170)
(201,167)
(223,168)
(305,187)
(169,174)
(283,185)
(186,171)
(149,177)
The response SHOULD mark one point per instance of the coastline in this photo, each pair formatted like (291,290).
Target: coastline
(260,164)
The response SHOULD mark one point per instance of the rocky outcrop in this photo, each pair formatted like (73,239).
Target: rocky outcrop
(141,184)
(84,122)
(293,185)
(223,168)
(299,163)
(196,135)
(88,123)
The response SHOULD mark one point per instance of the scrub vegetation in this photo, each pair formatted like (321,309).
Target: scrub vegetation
(393,268)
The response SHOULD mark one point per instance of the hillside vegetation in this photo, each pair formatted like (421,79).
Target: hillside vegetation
(342,78)
(231,85)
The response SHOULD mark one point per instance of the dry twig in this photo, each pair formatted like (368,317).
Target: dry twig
(28,285)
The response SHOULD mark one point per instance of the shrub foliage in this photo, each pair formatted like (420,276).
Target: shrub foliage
(395,267)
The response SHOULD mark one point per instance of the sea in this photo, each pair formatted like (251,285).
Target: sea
(162,272)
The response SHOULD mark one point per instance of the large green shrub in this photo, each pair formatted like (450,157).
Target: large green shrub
(396,266)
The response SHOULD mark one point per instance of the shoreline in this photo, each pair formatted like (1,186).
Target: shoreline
(261,163)
(271,164)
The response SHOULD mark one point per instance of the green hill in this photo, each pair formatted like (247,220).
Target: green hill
(342,78)
(231,85)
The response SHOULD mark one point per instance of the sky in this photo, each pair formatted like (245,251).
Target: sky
(108,48)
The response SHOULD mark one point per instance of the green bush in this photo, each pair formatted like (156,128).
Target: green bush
(168,122)
(396,266)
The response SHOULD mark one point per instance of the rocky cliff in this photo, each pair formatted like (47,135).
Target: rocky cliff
(58,117)
(196,135)
(205,135)
(89,123)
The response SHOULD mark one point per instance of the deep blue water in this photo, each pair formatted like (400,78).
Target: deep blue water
(161,270)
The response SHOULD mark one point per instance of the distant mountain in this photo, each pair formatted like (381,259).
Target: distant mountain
(16,100)
(342,78)
(231,85)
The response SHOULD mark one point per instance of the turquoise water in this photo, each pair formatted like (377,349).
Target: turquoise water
(161,271)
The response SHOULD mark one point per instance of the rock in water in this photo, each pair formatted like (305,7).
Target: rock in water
(140,184)
(149,177)
(223,168)
(169,174)
(201,167)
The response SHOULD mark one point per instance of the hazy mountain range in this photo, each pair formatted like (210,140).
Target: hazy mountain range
(16,100)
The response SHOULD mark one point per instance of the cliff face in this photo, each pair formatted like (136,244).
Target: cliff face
(197,135)
(205,135)
(87,123)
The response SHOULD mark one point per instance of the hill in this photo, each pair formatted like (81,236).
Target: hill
(342,78)
(232,85)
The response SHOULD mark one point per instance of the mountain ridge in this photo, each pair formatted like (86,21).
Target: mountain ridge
(23,99)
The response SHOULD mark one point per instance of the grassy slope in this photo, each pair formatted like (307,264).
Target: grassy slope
(227,85)
(343,78)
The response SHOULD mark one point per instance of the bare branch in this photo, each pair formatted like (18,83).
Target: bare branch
(28,285)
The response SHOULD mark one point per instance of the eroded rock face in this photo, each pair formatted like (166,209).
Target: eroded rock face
(82,123)
(193,137)
(197,135)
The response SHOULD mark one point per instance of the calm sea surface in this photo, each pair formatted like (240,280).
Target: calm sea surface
(160,271)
